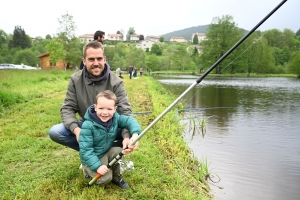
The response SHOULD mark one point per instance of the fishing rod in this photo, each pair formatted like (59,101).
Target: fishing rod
(119,156)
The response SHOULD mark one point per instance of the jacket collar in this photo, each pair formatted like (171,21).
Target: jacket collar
(103,76)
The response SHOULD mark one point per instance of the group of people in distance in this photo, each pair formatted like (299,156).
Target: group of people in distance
(106,125)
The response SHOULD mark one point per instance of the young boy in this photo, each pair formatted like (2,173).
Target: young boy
(97,135)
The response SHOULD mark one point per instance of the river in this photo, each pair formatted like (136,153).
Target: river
(252,138)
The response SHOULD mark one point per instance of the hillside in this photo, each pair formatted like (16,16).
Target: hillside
(186,33)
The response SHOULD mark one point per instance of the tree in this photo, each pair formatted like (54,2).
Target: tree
(131,31)
(181,59)
(26,57)
(3,38)
(71,44)
(155,49)
(5,55)
(274,38)
(294,66)
(251,56)
(109,53)
(20,39)
(48,37)
(152,62)
(265,62)
(195,40)
(118,62)
(56,51)
(289,39)
(67,26)
(298,32)
(121,49)
(161,39)
(221,34)
(136,57)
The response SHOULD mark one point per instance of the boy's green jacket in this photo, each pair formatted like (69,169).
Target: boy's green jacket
(95,139)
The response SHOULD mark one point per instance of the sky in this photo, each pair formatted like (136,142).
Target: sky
(154,17)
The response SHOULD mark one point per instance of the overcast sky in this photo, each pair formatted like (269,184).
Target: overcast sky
(151,17)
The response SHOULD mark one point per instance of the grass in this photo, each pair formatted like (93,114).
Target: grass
(34,167)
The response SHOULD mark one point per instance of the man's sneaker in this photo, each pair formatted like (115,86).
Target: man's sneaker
(121,183)
(80,167)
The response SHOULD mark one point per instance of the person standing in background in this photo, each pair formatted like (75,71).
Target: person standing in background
(141,71)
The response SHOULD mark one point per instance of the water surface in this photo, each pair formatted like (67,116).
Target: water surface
(252,136)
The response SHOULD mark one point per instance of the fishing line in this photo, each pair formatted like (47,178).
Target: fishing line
(201,86)
(196,125)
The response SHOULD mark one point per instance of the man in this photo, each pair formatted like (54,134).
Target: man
(82,89)
(130,71)
(98,36)
(120,72)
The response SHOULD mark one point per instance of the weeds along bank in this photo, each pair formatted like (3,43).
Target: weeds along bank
(34,167)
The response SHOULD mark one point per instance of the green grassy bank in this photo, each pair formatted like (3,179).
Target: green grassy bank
(34,167)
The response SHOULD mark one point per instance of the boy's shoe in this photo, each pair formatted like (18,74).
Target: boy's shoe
(80,167)
(121,183)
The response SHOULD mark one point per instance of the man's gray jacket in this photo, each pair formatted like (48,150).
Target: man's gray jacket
(82,91)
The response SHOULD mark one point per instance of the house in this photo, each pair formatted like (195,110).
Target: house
(86,38)
(134,37)
(145,44)
(116,37)
(45,62)
(153,38)
(177,39)
(201,36)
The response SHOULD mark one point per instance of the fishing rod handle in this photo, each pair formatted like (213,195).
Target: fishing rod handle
(110,164)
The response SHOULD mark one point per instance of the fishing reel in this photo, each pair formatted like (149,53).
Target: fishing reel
(126,166)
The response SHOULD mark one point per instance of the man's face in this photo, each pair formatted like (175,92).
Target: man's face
(101,39)
(94,61)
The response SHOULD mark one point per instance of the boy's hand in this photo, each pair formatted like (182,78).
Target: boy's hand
(127,141)
(102,169)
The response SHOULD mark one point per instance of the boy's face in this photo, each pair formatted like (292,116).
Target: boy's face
(105,108)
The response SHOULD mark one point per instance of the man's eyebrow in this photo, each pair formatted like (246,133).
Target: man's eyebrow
(95,58)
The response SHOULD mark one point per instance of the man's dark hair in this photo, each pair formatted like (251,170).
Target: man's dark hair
(94,45)
(98,33)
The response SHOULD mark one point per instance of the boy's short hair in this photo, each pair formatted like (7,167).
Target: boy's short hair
(93,44)
(98,33)
(108,95)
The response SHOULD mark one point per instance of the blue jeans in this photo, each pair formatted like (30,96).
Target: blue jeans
(60,134)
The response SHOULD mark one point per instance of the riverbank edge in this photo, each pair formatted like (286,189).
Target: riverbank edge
(194,73)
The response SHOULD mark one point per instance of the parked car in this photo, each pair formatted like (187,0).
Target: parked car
(7,66)
(13,66)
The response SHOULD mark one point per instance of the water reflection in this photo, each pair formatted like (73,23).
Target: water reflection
(252,138)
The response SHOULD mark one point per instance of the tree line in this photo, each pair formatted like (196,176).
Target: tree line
(269,52)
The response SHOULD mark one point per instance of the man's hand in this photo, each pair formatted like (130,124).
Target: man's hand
(127,141)
(76,132)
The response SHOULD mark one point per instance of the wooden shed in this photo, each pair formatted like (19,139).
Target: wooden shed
(45,62)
